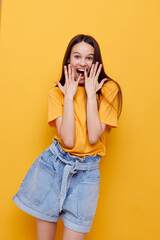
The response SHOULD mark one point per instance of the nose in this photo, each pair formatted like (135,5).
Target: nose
(82,62)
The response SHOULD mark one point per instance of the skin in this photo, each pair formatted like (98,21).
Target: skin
(47,231)
(81,57)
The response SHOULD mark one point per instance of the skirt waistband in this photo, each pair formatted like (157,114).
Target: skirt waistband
(77,163)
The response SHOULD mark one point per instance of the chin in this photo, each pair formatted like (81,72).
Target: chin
(81,83)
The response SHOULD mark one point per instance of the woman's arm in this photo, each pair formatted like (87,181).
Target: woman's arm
(94,126)
(66,124)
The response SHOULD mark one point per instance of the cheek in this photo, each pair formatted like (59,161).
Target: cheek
(73,61)
(73,64)
(90,64)
(74,68)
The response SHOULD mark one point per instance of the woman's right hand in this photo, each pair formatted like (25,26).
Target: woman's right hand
(70,86)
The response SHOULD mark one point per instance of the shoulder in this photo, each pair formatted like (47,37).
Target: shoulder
(110,85)
(55,92)
(109,90)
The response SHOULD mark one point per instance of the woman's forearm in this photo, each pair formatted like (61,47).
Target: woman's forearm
(67,128)
(94,125)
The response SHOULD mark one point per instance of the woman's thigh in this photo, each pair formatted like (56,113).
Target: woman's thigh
(68,234)
(46,230)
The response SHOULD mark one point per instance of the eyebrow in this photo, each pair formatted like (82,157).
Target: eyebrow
(88,54)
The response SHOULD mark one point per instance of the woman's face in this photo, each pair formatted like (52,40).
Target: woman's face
(81,58)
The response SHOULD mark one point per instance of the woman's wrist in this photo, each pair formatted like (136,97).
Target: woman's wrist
(68,96)
(91,95)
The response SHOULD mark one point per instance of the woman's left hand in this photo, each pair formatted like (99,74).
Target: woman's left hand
(91,82)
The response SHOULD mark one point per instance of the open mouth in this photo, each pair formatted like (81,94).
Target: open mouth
(80,72)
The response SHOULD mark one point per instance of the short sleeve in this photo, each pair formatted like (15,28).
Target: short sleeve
(108,107)
(55,105)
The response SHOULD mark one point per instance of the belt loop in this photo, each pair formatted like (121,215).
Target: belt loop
(55,158)
(75,163)
(54,150)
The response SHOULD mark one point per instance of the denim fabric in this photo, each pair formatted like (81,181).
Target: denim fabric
(59,184)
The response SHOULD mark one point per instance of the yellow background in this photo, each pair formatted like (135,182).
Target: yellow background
(34,37)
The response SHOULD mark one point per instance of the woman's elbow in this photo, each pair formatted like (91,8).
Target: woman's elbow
(69,143)
(93,140)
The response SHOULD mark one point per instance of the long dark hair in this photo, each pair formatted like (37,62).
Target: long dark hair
(97,58)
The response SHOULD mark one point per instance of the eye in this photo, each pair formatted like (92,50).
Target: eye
(76,56)
(90,58)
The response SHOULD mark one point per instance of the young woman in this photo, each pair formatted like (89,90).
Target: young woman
(64,180)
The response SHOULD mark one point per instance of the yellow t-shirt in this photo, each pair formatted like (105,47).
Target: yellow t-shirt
(107,115)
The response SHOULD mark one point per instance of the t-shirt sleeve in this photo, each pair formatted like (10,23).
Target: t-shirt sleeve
(55,105)
(108,108)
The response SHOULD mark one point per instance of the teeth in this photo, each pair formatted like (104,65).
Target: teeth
(82,70)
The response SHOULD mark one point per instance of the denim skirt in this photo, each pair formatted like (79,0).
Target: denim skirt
(59,184)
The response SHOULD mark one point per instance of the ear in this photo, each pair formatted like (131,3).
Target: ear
(68,61)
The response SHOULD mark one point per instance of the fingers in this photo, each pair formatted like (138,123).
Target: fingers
(69,75)
(72,78)
(58,83)
(92,69)
(78,79)
(69,72)
(95,69)
(66,73)
(94,72)
(60,86)
(85,73)
(99,70)
(101,83)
